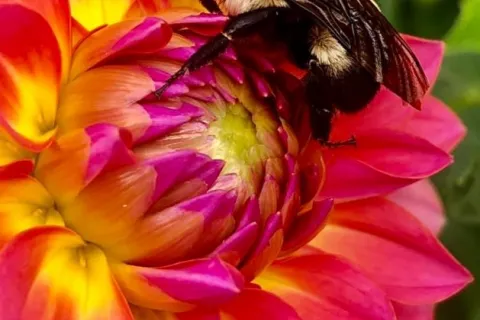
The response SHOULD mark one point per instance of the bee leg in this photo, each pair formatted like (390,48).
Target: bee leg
(238,26)
(211,6)
(350,142)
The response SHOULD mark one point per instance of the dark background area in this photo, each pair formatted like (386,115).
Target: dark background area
(457,22)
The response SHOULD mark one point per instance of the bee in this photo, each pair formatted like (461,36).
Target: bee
(348,48)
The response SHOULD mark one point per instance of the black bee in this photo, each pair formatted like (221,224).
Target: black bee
(348,47)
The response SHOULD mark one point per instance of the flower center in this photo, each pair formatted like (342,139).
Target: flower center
(236,140)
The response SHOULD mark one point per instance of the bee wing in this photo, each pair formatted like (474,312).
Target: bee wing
(360,27)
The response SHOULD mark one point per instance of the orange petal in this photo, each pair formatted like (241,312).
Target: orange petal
(24,204)
(107,209)
(112,95)
(78,32)
(30,73)
(128,37)
(326,287)
(50,273)
(75,159)
(94,13)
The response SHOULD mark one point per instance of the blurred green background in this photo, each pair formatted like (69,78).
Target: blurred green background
(457,22)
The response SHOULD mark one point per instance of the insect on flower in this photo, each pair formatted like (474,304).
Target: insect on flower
(348,47)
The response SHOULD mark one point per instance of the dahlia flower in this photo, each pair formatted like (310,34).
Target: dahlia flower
(213,202)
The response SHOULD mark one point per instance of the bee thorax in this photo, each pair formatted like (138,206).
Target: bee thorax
(328,51)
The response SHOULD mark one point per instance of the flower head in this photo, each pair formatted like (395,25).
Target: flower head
(114,205)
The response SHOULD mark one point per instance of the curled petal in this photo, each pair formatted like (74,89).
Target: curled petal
(383,239)
(383,161)
(422,200)
(432,123)
(75,159)
(30,266)
(30,73)
(24,204)
(322,286)
(180,287)
(139,36)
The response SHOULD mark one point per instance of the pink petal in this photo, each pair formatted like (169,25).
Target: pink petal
(382,161)
(437,124)
(407,312)
(393,248)
(422,200)
(430,53)
(325,287)
(235,247)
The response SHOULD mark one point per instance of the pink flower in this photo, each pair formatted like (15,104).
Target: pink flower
(114,205)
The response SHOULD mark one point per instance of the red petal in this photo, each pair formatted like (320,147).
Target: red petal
(259,304)
(57,14)
(30,73)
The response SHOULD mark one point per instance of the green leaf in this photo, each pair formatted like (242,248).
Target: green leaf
(459,185)
(464,34)
(425,18)
(462,240)
(459,80)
